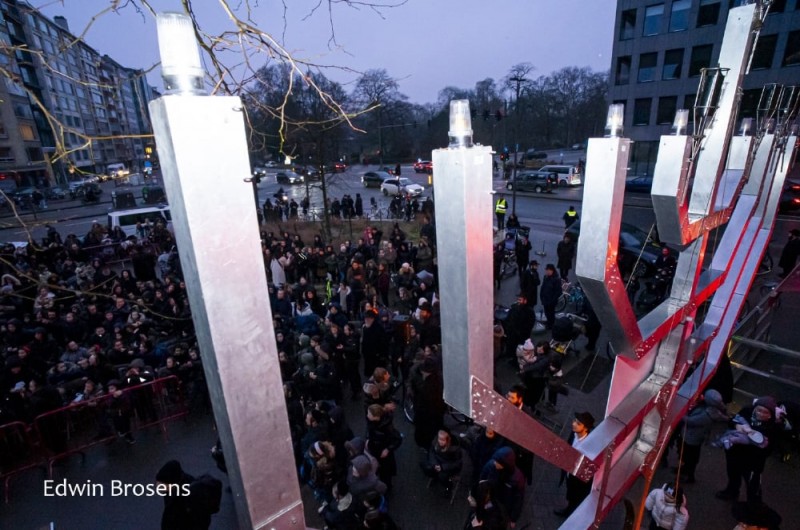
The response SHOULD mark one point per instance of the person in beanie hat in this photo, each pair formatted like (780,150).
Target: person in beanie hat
(747,446)
(695,429)
(577,490)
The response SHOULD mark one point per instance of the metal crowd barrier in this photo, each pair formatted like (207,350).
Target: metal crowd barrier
(73,429)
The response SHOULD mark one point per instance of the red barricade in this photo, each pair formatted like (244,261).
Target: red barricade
(73,429)
(18,452)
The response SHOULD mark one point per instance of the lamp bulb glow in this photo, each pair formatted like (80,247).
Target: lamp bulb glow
(614,119)
(460,124)
(747,124)
(681,121)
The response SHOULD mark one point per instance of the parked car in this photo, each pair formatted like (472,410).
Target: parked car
(639,184)
(633,242)
(423,166)
(339,167)
(567,175)
(790,197)
(387,169)
(374,179)
(55,193)
(397,186)
(288,177)
(23,196)
(537,181)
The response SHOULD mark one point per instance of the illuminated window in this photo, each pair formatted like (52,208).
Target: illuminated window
(26,132)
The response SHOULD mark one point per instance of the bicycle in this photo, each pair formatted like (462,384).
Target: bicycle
(508,266)
(572,295)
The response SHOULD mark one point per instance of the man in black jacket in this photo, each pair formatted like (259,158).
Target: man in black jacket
(518,324)
(550,293)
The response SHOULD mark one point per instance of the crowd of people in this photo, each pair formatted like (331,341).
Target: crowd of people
(354,321)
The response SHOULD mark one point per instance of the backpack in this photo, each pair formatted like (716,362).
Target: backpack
(207,493)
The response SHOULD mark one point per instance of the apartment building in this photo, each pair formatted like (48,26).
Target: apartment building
(66,99)
(660,46)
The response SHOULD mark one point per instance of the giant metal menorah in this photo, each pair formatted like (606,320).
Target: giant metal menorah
(701,182)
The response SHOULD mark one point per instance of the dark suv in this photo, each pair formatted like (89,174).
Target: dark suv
(537,181)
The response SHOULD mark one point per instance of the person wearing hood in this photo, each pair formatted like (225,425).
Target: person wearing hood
(357,447)
(695,429)
(506,483)
(176,506)
(747,446)
(336,315)
(362,478)
(306,321)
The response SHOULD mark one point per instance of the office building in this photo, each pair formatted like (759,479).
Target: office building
(660,48)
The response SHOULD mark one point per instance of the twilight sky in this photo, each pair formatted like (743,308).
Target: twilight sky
(425,44)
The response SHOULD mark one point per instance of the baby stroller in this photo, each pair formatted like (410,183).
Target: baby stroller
(566,328)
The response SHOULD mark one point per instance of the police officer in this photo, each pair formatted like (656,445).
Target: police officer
(500,211)
(569,217)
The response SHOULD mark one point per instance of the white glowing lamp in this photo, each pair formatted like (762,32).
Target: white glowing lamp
(614,119)
(180,58)
(460,124)
(747,124)
(681,121)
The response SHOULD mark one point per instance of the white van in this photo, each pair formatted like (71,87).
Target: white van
(127,219)
(567,175)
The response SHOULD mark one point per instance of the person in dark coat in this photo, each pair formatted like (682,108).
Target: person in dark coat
(746,454)
(176,505)
(444,460)
(790,253)
(550,293)
(518,325)
(429,408)
(383,439)
(486,513)
(374,343)
(506,482)
(577,490)
(522,251)
(566,254)
(529,284)
(592,327)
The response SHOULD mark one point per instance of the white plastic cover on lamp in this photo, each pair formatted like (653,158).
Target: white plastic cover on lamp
(180,58)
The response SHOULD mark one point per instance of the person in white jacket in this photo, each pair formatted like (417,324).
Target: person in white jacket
(667,508)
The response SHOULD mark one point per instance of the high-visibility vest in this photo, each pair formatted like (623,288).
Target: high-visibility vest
(571,213)
(501,206)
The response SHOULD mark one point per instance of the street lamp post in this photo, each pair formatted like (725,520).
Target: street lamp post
(518,80)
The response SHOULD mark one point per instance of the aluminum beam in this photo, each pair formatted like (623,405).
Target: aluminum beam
(203,152)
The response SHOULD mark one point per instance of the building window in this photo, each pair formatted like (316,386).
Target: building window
(791,56)
(647,67)
(26,132)
(708,13)
(34,154)
(679,17)
(623,73)
(701,58)
(641,111)
(6,155)
(666,110)
(688,103)
(777,6)
(627,24)
(652,19)
(764,52)
(749,103)
(673,64)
